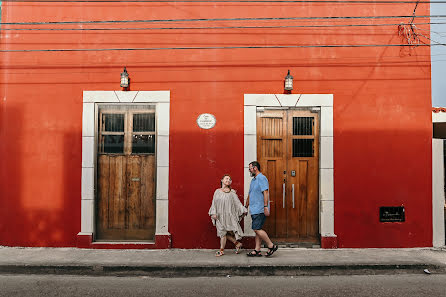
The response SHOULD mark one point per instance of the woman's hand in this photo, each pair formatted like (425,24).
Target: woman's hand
(214,217)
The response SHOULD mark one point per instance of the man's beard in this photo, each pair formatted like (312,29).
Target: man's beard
(252,174)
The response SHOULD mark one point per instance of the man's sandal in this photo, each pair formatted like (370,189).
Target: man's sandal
(271,251)
(254,253)
(238,246)
(219,253)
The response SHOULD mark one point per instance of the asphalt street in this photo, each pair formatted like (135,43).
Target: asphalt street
(365,285)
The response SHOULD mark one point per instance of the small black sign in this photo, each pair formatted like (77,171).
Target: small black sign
(391,214)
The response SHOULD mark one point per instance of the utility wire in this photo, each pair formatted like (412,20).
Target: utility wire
(232,1)
(219,47)
(224,19)
(436,42)
(211,28)
(441,34)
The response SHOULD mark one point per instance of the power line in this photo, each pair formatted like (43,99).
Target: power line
(436,42)
(224,19)
(441,34)
(220,47)
(236,1)
(211,28)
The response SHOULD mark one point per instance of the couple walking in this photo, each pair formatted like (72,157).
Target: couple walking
(226,212)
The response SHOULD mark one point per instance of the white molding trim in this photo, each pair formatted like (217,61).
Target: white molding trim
(438,198)
(326,167)
(438,117)
(161,100)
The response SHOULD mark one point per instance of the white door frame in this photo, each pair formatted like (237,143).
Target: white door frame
(161,101)
(324,102)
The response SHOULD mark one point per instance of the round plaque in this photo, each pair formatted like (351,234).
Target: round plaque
(206,121)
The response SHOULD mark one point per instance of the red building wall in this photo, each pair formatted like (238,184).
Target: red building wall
(382,110)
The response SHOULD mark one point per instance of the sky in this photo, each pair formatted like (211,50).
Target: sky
(438,57)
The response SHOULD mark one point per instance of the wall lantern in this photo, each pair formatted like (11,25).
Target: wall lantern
(288,82)
(125,79)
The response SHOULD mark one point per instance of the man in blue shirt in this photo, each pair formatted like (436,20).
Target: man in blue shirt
(258,206)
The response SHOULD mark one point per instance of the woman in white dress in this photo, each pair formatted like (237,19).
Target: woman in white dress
(226,212)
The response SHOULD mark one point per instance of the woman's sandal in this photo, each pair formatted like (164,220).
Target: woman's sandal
(238,247)
(271,251)
(254,253)
(219,253)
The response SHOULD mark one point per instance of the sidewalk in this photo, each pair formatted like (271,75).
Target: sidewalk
(188,263)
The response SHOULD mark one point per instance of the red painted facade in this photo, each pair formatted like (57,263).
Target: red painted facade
(382,110)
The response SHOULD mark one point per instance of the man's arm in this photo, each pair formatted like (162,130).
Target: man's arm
(265,202)
(247,201)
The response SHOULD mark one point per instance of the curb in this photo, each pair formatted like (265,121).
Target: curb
(219,271)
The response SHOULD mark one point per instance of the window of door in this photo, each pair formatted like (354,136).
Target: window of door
(126,132)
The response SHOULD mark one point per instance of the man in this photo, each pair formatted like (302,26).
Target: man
(258,206)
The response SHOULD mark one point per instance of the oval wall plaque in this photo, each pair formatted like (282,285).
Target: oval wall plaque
(206,121)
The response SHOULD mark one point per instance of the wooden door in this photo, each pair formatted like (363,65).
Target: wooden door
(125,208)
(288,151)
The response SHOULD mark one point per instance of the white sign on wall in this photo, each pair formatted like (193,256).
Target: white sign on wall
(206,121)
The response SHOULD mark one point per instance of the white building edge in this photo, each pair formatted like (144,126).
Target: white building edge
(438,190)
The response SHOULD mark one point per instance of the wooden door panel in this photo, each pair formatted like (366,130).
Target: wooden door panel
(271,173)
(305,220)
(117,193)
(133,192)
(302,198)
(126,202)
(148,190)
(278,201)
(270,149)
(298,199)
(103,193)
(111,200)
(313,203)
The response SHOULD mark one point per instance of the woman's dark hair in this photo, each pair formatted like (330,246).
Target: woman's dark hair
(255,164)
(221,183)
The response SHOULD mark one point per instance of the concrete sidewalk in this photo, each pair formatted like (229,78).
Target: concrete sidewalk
(188,263)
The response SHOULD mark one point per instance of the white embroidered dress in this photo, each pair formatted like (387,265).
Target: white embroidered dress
(229,211)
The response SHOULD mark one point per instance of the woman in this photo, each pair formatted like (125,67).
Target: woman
(226,212)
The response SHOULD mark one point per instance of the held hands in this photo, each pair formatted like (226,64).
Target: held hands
(214,217)
(243,215)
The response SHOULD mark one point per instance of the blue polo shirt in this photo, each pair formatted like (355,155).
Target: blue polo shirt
(259,184)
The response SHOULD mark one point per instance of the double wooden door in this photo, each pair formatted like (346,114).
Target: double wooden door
(288,152)
(125,208)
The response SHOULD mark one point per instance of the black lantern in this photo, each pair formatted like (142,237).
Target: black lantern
(124,78)
(288,82)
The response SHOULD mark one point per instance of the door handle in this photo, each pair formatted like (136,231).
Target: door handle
(283,194)
(292,190)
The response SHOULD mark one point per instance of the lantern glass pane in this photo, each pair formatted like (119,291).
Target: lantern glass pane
(124,81)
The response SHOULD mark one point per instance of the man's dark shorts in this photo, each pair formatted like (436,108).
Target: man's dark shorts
(257,221)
